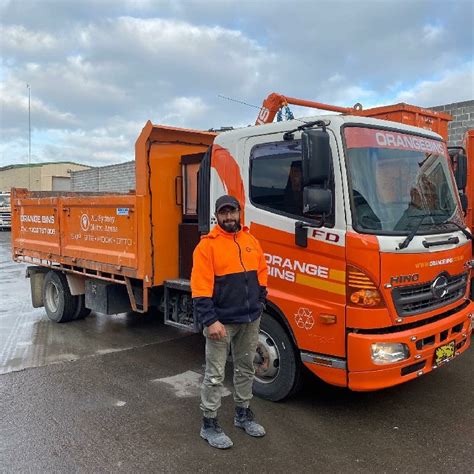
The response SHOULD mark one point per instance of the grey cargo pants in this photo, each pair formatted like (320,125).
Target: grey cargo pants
(242,338)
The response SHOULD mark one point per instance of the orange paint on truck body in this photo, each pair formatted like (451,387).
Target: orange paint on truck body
(73,229)
(229,174)
(411,115)
(133,235)
(305,283)
(469,147)
(364,376)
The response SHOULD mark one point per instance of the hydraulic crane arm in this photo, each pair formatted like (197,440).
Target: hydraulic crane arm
(274,102)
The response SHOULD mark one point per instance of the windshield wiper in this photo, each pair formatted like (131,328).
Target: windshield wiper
(410,236)
(461,228)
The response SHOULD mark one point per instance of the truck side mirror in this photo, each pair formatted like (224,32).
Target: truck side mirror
(317,201)
(460,173)
(459,165)
(316,157)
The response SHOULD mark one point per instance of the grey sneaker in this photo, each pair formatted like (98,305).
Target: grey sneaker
(214,434)
(244,418)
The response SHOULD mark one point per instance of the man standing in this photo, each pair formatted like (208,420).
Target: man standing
(228,283)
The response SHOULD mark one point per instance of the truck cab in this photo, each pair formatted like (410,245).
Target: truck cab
(361,226)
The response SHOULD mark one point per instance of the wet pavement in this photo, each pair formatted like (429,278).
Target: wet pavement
(121,393)
(28,339)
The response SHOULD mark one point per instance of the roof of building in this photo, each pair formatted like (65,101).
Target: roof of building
(34,165)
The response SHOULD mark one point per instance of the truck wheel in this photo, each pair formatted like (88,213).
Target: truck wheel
(277,368)
(81,310)
(59,304)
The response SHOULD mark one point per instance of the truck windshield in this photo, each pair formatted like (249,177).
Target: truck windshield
(4,200)
(396,179)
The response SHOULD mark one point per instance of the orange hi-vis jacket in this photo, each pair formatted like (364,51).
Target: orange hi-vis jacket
(229,277)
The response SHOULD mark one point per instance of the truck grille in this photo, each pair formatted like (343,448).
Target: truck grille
(415,299)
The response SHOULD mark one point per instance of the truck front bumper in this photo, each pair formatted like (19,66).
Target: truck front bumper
(452,332)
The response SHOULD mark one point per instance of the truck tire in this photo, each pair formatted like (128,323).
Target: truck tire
(59,304)
(81,310)
(277,367)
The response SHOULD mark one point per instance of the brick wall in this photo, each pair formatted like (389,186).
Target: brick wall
(113,178)
(463,119)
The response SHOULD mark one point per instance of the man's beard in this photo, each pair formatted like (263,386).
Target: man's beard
(230,225)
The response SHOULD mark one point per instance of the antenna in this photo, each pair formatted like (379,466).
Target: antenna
(239,101)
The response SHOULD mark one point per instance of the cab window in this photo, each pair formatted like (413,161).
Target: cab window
(276,179)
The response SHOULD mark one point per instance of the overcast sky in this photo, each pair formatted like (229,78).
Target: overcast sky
(98,70)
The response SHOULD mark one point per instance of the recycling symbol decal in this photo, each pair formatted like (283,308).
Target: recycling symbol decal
(304,318)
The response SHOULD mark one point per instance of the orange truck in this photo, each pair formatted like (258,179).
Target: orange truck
(359,219)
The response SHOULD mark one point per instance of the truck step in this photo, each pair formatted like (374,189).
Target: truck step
(178,305)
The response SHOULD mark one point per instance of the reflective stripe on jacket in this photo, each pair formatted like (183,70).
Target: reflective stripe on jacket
(229,277)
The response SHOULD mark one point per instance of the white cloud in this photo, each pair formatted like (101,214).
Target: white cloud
(99,70)
(433,33)
(453,86)
(16,38)
(185,110)
(14,104)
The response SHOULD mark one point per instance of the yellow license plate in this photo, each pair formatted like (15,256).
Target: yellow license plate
(444,353)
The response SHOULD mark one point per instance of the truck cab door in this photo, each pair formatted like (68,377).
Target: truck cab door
(306,284)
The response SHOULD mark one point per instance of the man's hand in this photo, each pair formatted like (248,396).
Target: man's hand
(216,330)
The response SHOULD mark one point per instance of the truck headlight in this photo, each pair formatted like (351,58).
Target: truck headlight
(389,352)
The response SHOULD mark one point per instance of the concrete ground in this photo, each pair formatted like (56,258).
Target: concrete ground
(120,394)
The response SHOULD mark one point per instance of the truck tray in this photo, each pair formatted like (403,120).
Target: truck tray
(97,232)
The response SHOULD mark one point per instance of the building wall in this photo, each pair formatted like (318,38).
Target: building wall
(113,178)
(36,177)
(20,178)
(57,170)
(463,119)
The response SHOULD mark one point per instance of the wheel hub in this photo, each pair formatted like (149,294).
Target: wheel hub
(267,359)
(52,297)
